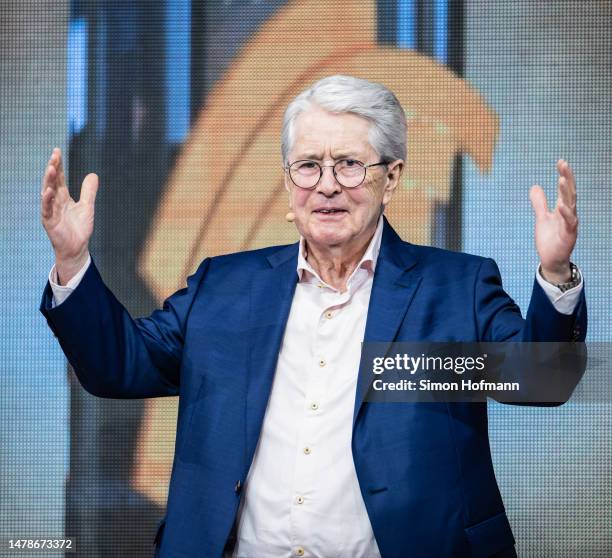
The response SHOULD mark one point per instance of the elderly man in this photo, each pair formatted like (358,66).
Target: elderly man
(277,454)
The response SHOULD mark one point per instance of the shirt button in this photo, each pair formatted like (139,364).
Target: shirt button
(307,450)
(299,551)
(329,315)
(300,499)
(320,285)
(314,406)
(321,363)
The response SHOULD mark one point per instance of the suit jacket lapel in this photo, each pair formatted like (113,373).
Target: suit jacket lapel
(271,295)
(396,281)
(395,284)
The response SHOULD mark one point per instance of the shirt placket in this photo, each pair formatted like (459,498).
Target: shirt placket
(310,449)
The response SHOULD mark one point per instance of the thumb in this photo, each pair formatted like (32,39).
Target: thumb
(538,201)
(89,188)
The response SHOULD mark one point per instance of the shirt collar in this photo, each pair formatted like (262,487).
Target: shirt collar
(368,260)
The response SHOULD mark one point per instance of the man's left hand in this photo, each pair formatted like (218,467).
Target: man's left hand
(556,231)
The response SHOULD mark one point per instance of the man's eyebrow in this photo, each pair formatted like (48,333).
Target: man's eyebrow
(336,157)
(345,155)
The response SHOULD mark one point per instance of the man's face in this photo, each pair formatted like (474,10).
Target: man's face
(325,137)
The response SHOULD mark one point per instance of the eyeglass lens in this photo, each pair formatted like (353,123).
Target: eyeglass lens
(348,172)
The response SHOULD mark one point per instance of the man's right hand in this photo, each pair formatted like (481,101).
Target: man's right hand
(69,224)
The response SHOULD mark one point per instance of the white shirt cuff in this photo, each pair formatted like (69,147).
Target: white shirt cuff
(62,292)
(564,302)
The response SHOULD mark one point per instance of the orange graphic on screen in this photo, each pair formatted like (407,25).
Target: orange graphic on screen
(226,191)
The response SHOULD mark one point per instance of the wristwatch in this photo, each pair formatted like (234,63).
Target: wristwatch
(573,282)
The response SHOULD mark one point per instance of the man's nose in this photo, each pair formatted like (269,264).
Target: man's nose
(328,184)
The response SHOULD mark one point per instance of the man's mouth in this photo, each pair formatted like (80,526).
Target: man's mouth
(329,211)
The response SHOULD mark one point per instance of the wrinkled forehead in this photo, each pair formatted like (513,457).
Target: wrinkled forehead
(318,133)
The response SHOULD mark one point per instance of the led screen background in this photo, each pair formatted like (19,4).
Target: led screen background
(177,105)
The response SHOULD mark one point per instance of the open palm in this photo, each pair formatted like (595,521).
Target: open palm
(69,224)
(556,231)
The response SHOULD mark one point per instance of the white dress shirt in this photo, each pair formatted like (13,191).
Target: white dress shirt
(302,496)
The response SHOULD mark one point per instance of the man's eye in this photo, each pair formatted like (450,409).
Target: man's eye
(308,165)
(350,162)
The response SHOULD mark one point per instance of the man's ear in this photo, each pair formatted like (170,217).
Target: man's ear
(394,173)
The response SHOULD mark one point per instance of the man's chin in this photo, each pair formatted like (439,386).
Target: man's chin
(329,236)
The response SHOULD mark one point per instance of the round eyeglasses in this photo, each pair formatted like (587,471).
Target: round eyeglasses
(349,173)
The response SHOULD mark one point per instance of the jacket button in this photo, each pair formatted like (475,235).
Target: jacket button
(238,487)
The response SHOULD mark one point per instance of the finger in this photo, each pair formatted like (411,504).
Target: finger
(538,201)
(51,181)
(49,178)
(46,203)
(57,163)
(52,172)
(571,181)
(569,218)
(563,192)
(55,158)
(567,172)
(60,167)
(89,189)
(51,202)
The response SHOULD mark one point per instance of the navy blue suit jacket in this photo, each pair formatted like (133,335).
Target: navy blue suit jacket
(424,469)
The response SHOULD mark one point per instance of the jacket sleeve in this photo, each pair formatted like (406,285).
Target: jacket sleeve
(498,318)
(113,354)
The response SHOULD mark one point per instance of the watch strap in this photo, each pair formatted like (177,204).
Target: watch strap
(573,282)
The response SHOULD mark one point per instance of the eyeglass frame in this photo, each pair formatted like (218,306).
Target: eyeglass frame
(333,167)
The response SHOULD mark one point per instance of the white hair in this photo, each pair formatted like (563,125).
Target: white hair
(346,94)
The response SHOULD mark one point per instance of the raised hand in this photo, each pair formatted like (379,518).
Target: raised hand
(556,231)
(69,224)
